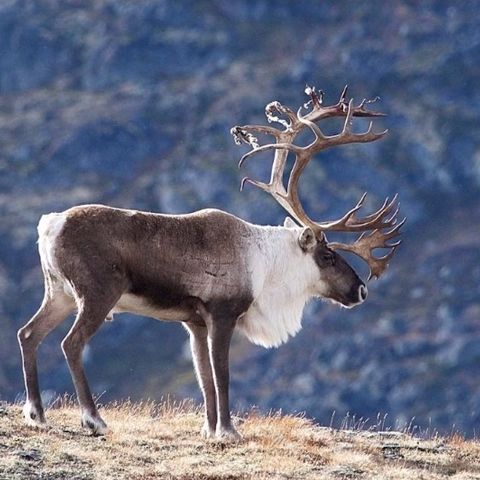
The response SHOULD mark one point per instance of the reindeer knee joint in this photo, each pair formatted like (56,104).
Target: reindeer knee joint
(24,334)
(68,346)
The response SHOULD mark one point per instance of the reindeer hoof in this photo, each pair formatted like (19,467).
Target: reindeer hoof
(34,416)
(94,423)
(228,434)
(207,431)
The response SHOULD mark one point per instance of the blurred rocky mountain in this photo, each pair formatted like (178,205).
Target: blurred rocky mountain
(130,103)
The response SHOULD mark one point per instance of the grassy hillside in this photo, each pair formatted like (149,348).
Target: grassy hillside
(150,441)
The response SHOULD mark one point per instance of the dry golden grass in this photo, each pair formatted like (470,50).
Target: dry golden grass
(161,441)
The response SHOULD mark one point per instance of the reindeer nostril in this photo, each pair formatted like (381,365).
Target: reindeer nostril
(362,292)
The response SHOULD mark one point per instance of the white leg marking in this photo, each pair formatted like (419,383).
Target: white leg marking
(207,432)
(95,424)
(32,416)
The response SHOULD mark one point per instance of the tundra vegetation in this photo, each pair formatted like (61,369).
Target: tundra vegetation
(152,441)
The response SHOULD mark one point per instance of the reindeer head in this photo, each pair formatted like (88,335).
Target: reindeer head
(335,280)
(339,282)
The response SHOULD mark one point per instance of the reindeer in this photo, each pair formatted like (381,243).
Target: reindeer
(209,270)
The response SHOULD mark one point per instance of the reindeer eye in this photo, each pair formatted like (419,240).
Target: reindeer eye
(329,258)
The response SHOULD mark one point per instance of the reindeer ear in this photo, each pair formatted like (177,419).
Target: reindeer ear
(307,239)
(289,223)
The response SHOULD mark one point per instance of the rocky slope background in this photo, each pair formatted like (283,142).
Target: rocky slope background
(130,103)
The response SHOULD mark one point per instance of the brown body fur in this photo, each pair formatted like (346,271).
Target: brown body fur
(190,252)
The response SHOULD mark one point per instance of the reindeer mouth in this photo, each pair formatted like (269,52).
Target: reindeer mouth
(355,297)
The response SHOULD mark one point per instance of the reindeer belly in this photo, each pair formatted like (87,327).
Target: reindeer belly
(141,306)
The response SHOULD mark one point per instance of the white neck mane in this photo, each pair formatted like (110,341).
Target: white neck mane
(282,278)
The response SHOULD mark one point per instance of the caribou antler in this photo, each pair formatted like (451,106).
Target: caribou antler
(288,198)
(366,243)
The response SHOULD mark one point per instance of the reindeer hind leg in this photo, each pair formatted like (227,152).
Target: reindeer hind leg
(93,309)
(56,306)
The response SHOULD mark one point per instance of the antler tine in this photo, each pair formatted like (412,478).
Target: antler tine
(366,101)
(345,136)
(379,218)
(341,223)
(341,107)
(366,243)
(343,95)
(285,137)
(263,186)
(319,135)
(348,136)
(376,220)
(283,110)
(347,126)
(315,99)
(270,146)
(243,134)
